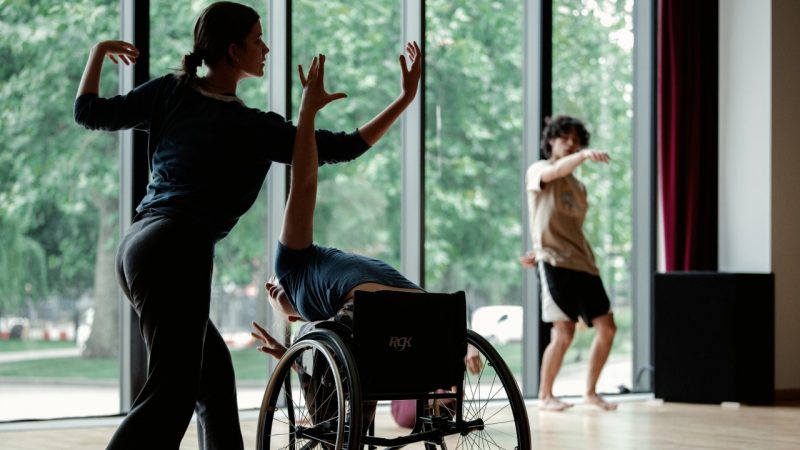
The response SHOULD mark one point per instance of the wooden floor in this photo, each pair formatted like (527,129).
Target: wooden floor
(639,424)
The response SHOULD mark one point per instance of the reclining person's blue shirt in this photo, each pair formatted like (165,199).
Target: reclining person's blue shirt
(317,278)
(208,157)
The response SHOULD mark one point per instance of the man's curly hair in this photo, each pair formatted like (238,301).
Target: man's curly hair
(560,126)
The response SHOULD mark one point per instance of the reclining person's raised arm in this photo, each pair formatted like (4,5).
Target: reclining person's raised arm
(298,218)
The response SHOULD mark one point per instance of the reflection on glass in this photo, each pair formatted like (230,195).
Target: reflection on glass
(358,207)
(592,80)
(473,142)
(59,193)
(237,295)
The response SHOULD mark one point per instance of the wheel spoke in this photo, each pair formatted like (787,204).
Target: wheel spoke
(313,385)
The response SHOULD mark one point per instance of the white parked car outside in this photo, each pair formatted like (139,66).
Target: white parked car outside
(499,324)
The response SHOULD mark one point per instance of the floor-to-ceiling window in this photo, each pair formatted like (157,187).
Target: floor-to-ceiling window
(358,204)
(473,141)
(59,193)
(59,188)
(592,78)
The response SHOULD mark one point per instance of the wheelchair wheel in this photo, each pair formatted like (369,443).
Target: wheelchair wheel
(311,397)
(491,395)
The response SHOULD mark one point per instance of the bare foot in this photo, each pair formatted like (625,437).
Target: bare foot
(598,401)
(553,404)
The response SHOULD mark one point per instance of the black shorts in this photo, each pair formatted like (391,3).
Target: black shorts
(568,294)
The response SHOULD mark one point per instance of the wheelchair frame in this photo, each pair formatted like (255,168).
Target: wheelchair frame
(293,417)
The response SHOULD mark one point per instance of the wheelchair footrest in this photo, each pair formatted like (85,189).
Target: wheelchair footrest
(437,422)
(435,435)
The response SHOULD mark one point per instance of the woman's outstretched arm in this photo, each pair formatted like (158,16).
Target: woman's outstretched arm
(298,217)
(373,130)
(338,147)
(90,81)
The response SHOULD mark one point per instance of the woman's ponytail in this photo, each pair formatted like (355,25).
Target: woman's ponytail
(190,64)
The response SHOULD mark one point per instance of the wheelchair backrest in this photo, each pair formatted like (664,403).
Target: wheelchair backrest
(408,343)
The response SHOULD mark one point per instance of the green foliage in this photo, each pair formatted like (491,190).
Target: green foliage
(63,368)
(53,173)
(54,176)
(16,345)
(249,364)
(473,149)
(592,80)
(358,207)
(23,272)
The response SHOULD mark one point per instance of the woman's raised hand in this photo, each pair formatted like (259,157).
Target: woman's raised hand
(314,95)
(90,81)
(125,51)
(411,76)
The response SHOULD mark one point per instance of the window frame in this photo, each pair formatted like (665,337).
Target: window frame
(537,64)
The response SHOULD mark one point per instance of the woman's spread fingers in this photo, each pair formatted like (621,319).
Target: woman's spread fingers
(128,49)
(403,65)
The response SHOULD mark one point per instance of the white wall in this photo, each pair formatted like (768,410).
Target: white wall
(744,136)
(759,182)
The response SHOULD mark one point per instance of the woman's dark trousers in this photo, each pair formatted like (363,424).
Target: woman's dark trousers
(164,266)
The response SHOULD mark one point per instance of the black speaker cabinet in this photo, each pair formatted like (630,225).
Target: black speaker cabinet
(714,337)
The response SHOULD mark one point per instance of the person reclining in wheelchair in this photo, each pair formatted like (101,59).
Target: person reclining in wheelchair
(313,283)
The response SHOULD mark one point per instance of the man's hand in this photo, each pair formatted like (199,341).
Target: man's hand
(528,260)
(595,155)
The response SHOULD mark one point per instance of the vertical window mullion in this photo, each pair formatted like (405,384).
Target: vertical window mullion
(279,101)
(279,39)
(412,201)
(134,176)
(536,88)
(644,192)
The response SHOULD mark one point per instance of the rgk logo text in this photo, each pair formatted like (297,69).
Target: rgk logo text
(400,343)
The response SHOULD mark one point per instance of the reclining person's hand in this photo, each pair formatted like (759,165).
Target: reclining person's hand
(270,345)
(315,97)
(473,360)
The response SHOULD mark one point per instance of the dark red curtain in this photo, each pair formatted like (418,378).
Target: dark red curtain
(687,94)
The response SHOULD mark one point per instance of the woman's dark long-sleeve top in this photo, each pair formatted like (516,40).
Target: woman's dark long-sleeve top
(208,157)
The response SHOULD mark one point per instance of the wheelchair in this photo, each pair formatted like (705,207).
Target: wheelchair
(323,391)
